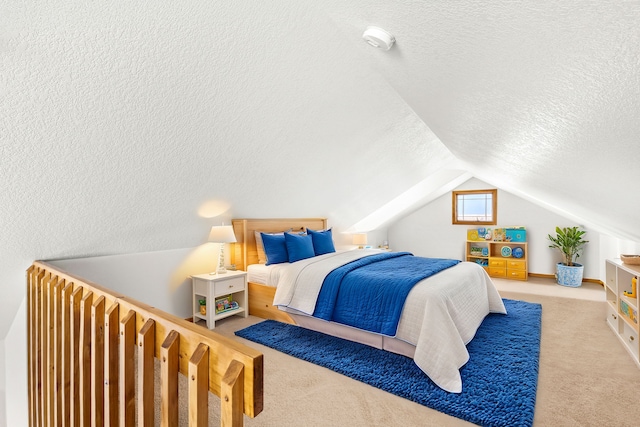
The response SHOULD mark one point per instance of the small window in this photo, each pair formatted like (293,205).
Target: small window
(475,207)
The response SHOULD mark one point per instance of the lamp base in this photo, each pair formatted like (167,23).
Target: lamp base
(221,268)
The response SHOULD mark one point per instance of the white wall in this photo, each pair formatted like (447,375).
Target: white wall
(15,348)
(612,247)
(160,278)
(3,411)
(429,232)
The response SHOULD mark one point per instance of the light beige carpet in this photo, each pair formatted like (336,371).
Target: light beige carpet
(586,377)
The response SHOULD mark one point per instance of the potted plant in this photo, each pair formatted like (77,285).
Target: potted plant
(203,306)
(569,241)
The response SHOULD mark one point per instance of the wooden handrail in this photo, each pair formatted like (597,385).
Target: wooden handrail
(81,342)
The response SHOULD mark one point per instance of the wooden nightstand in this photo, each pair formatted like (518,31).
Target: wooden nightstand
(210,287)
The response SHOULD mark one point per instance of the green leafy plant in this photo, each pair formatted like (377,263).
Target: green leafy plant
(202,301)
(569,241)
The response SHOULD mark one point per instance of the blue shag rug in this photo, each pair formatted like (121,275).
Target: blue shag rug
(498,383)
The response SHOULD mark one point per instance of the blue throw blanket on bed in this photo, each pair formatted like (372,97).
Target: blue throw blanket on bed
(369,293)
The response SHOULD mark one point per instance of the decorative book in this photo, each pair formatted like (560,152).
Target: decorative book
(225,304)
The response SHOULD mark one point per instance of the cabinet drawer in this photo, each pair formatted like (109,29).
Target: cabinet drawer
(630,338)
(501,263)
(612,317)
(497,272)
(516,265)
(517,274)
(228,286)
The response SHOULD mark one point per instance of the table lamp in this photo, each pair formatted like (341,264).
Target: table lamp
(360,239)
(222,234)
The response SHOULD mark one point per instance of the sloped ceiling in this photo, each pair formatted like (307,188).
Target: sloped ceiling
(134,126)
(538,98)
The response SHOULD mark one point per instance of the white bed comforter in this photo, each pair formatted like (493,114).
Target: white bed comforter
(441,315)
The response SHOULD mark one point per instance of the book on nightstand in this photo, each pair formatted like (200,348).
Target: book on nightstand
(225,304)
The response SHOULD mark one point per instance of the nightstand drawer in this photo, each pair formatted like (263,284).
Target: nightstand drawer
(500,263)
(497,272)
(228,286)
(516,265)
(517,274)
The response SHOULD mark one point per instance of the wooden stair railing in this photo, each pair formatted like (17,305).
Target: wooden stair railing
(83,369)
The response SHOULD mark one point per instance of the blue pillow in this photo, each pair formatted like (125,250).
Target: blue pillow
(275,248)
(322,241)
(299,246)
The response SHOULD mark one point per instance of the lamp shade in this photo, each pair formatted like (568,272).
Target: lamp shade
(360,239)
(222,234)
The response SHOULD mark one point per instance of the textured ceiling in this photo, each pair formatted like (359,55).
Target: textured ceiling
(538,98)
(134,126)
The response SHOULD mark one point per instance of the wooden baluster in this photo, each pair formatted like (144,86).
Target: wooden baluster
(42,365)
(48,350)
(146,347)
(111,379)
(41,352)
(232,396)
(199,386)
(169,379)
(56,348)
(127,383)
(29,343)
(34,344)
(84,362)
(66,334)
(76,356)
(97,362)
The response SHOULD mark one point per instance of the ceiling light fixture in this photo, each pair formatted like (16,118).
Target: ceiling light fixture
(377,37)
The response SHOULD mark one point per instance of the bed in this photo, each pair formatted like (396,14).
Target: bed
(440,316)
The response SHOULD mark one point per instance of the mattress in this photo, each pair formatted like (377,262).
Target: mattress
(263,274)
(259,273)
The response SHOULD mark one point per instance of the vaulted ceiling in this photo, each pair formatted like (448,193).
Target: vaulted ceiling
(130,126)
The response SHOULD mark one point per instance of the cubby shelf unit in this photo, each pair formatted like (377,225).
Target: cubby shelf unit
(622,310)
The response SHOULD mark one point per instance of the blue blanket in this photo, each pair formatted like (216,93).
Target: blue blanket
(369,293)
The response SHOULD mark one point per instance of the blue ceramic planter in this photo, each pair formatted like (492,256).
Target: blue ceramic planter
(569,275)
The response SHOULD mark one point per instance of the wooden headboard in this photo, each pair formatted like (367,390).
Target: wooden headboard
(245,252)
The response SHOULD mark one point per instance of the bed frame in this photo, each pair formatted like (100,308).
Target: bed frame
(245,252)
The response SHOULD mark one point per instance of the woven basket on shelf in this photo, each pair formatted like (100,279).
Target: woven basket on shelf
(630,259)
